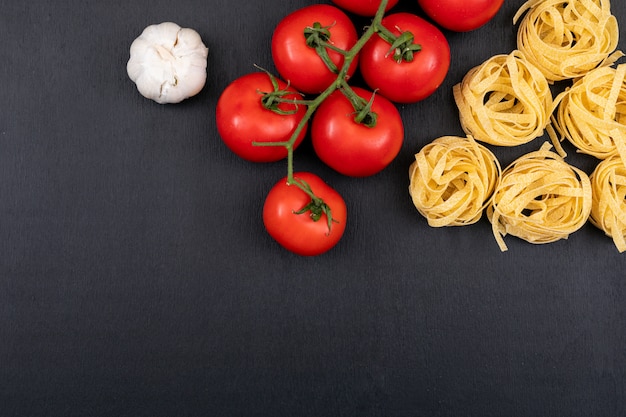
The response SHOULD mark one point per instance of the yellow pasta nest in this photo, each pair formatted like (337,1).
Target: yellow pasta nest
(608,211)
(452,179)
(505,101)
(592,113)
(540,199)
(565,39)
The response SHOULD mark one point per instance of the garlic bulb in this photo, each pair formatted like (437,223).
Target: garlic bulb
(168,63)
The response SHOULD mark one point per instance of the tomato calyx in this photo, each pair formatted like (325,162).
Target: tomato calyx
(318,37)
(271,100)
(403,46)
(363,113)
(316,207)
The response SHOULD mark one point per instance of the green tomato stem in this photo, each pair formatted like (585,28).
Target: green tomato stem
(340,81)
(319,36)
(334,48)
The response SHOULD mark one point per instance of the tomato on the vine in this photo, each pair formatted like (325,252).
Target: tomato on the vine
(296,56)
(366,8)
(242,119)
(399,80)
(352,147)
(300,224)
(461,15)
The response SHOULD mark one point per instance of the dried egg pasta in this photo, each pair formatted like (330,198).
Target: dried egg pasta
(452,179)
(608,211)
(505,101)
(565,39)
(592,113)
(540,199)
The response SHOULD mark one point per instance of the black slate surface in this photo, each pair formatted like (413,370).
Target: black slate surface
(136,278)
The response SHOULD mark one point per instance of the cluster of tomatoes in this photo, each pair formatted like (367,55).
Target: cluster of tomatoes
(357,131)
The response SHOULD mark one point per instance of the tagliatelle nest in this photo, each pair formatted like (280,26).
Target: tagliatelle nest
(540,199)
(452,179)
(565,39)
(505,101)
(592,113)
(608,211)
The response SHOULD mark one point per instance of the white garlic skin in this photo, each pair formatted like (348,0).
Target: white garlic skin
(168,63)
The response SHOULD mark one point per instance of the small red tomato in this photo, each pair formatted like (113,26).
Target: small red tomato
(461,15)
(242,119)
(363,7)
(288,221)
(403,81)
(353,148)
(299,63)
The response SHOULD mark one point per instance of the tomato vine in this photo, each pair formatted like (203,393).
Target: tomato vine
(318,37)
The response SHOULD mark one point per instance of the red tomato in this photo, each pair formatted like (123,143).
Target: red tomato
(299,63)
(352,148)
(363,7)
(242,118)
(406,82)
(299,233)
(461,15)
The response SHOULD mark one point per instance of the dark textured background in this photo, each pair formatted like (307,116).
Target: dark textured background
(137,278)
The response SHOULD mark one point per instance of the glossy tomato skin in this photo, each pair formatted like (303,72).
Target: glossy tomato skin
(366,8)
(352,148)
(406,82)
(299,233)
(461,15)
(242,119)
(299,63)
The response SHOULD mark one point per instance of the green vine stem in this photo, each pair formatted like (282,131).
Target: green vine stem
(317,36)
